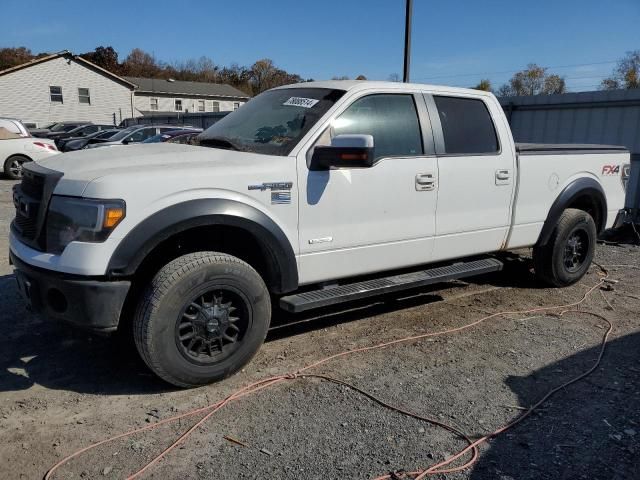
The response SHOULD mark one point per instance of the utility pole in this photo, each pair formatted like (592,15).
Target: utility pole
(407,40)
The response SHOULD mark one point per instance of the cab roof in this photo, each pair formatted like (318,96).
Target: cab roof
(355,85)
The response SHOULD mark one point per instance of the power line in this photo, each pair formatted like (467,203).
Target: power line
(486,74)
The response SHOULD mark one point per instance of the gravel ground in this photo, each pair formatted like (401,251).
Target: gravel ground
(61,390)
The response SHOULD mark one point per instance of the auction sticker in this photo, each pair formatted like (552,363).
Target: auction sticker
(301,102)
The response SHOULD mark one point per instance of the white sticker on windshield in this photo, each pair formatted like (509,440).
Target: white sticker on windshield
(301,102)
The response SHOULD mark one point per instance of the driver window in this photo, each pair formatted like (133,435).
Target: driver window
(391,119)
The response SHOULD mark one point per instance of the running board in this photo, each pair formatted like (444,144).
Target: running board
(369,288)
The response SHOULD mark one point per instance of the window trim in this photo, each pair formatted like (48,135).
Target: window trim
(215,105)
(438,132)
(426,140)
(175,105)
(51,100)
(87,96)
(151,104)
(202,103)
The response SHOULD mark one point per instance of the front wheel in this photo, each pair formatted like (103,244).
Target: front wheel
(567,256)
(203,317)
(13,166)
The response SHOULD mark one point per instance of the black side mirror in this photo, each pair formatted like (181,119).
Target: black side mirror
(345,151)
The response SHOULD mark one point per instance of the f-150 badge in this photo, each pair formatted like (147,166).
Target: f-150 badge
(272,186)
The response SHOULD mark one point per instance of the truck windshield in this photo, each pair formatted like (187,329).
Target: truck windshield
(273,122)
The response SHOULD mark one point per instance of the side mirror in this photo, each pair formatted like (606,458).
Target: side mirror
(346,151)
(126,141)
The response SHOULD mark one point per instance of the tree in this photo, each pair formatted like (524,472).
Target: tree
(626,74)
(554,84)
(394,77)
(534,80)
(361,77)
(341,77)
(485,85)
(10,57)
(105,57)
(140,64)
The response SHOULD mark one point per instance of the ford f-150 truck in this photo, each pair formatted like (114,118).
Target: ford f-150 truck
(309,195)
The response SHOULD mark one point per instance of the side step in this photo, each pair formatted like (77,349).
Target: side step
(369,288)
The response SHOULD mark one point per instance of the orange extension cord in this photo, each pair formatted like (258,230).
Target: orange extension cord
(438,468)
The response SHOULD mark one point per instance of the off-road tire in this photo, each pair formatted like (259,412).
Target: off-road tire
(10,166)
(550,260)
(159,311)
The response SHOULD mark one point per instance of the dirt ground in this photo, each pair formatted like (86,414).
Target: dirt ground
(61,390)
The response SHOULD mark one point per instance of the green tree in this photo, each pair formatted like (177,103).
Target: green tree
(105,57)
(485,85)
(534,80)
(626,74)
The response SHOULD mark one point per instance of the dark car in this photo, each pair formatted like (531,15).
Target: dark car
(81,131)
(78,143)
(58,127)
(176,136)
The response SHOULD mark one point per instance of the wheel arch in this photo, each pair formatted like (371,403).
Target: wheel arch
(583,193)
(204,220)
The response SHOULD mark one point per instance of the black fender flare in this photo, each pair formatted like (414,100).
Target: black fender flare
(160,226)
(584,186)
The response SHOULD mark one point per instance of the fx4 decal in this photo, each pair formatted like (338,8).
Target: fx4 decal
(610,169)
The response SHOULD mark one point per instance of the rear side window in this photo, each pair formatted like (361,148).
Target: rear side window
(466,125)
(392,120)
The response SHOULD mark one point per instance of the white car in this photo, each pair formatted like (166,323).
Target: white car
(17,147)
(311,194)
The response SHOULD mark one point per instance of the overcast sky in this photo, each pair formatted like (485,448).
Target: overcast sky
(454,42)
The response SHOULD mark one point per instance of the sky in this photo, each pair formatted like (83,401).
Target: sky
(454,42)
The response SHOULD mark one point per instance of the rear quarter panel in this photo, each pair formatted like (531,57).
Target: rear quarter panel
(542,177)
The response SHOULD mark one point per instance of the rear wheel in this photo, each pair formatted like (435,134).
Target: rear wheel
(13,166)
(567,256)
(202,318)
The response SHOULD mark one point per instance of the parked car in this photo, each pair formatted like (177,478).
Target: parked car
(133,134)
(15,152)
(306,185)
(57,127)
(78,143)
(183,136)
(81,131)
(15,126)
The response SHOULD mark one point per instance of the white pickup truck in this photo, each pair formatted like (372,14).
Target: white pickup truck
(309,195)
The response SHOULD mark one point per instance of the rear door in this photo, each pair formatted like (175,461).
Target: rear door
(476,175)
(359,220)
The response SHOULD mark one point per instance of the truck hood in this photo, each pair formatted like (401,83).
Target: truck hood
(85,166)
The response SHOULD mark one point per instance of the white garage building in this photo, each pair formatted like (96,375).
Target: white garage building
(159,96)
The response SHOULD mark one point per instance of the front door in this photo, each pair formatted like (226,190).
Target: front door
(476,176)
(360,220)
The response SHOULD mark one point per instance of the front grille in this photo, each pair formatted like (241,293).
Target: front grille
(32,185)
(26,226)
(31,199)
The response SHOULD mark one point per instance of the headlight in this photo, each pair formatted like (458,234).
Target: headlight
(81,219)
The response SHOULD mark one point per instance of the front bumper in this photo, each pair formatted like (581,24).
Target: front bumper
(88,303)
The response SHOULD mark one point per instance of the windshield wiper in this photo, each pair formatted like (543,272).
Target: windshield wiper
(221,142)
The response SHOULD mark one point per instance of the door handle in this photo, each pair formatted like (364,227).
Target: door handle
(425,181)
(503,177)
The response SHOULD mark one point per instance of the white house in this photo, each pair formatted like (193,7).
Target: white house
(64,87)
(159,96)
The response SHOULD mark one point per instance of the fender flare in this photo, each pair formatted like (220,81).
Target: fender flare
(584,186)
(160,226)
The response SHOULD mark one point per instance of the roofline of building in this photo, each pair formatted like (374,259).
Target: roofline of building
(160,92)
(65,53)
